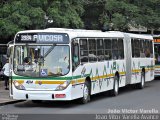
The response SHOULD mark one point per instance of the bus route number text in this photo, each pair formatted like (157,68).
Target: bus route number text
(26,37)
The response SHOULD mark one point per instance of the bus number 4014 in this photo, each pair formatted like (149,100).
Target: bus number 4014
(29,81)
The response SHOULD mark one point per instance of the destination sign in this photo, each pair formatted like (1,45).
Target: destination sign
(157,40)
(59,38)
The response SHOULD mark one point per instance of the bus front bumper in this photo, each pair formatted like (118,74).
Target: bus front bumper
(42,95)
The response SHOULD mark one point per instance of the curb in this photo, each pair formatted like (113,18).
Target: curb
(10,102)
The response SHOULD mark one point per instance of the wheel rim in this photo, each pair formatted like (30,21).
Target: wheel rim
(142,82)
(116,86)
(85,92)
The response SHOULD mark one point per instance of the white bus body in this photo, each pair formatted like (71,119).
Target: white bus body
(103,58)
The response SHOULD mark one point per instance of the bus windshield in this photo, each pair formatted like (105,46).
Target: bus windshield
(41,61)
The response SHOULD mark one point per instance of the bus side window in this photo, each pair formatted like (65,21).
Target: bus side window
(115,52)
(83,50)
(100,50)
(75,55)
(147,50)
(135,48)
(120,49)
(151,48)
(92,50)
(108,50)
(142,54)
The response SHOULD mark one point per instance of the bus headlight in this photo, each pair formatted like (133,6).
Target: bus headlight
(64,85)
(18,85)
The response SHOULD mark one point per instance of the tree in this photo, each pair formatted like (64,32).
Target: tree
(19,15)
(91,16)
(16,15)
(118,15)
(122,14)
(149,14)
(66,13)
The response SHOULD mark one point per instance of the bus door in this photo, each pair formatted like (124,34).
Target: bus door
(75,54)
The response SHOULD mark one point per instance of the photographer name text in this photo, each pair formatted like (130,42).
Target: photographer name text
(132,111)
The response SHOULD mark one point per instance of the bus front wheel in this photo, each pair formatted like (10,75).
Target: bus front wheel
(86,93)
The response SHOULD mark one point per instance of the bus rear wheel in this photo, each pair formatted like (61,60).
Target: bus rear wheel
(141,84)
(86,93)
(115,90)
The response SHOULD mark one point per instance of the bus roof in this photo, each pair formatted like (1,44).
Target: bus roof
(79,32)
(73,33)
(156,36)
(142,36)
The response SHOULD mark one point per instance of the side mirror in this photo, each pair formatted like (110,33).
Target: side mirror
(81,63)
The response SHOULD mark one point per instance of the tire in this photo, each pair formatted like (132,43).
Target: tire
(142,83)
(37,101)
(115,90)
(86,93)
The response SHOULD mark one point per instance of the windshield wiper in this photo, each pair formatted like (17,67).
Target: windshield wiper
(49,50)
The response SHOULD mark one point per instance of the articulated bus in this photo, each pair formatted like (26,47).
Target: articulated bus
(65,64)
(157,54)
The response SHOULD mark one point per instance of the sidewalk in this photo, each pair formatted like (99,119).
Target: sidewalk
(4,95)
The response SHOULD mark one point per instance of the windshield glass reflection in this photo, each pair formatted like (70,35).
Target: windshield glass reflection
(41,61)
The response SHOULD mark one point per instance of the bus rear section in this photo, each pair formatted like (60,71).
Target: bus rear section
(142,59)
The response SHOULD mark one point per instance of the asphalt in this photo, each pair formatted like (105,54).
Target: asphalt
(129,101)
(4,95)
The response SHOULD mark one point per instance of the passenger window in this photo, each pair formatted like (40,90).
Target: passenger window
(147,49)
(132,42)
(142,53)
(115,51)
(100,50)
(83,50)
(107,49)
(120,49)
(151,48)
(135,47)
(92,50)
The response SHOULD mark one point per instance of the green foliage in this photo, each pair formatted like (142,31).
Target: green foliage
(66,13)
(149,14)
(119,21)
(121,14)
(36,16)
(7,27)
(18,15)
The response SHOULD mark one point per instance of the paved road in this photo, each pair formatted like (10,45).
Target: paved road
(129,100)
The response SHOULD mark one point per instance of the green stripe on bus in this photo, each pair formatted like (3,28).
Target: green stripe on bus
(51,78)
